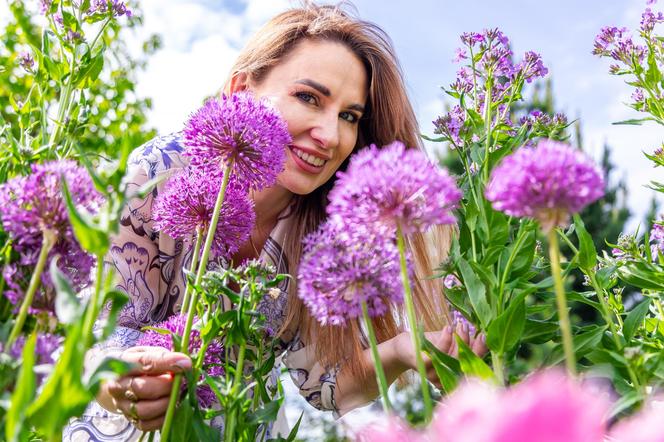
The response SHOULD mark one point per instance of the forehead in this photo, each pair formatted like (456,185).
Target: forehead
(329,63)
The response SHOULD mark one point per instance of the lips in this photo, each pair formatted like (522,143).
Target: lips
(306,160)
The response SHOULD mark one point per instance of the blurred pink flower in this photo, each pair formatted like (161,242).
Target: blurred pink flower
(395,431)
(646,426)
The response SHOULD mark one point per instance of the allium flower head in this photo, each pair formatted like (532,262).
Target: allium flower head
(47,345)
(645,426)
(212,361)
(188,201)
(33,204)
(341,267)
(548,182)
(394,186)
(394,430)
(248,132)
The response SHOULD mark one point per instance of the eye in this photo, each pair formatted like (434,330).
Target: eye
(306,97)
(349,116)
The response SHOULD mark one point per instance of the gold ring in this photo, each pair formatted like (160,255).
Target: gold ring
(129,392)
(133,413)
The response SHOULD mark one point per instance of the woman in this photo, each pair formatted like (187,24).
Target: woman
(337,84)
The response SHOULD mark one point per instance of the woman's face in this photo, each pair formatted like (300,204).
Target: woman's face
(320,89)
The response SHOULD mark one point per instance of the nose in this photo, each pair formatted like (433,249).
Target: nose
(326,132)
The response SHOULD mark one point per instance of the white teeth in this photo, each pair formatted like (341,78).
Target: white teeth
(308,158)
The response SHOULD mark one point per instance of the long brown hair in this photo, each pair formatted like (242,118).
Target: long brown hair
(388,116)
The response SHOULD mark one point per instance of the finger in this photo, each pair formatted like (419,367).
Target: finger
(156,361)
(462,331)
(479,345)
(141,387)
(144,410)
(446,340)
(150,425)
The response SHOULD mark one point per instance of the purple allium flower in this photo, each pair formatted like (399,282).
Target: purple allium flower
(341,267)
(240,129)
(548,183)
(394,187)
(33,204)
(649,19)
(645,426)
(451,125)
(26,61)
(188,201)
(212,361)
(47,345)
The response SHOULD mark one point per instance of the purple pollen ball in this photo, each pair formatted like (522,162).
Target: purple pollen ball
(549,182)
(212,361)
(343,266)
(394,186)
(188,201)
(241,129)
(33,204)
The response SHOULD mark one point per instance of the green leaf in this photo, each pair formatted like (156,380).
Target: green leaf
(539,332)
(267,413)
(642,275)
(182,422)
(15,428)
(583,343)
(635,318)
(476,292)
(471,364)
(67,306)
(635,121)
(587,252)
(89,71)
(91,238)
(506,330)
(447,368)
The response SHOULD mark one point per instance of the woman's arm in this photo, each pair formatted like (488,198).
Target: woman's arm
(397,355)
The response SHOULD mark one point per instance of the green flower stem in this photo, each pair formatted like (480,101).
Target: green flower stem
(48,241)
(561,301)
(497,365)
(94,305)
(414,328)
(487,122)
(202,266)
(192,268)
(380,373)
(239,373)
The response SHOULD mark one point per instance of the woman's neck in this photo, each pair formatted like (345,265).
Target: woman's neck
(268,204)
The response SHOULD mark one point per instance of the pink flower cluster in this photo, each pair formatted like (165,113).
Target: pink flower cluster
(546,407)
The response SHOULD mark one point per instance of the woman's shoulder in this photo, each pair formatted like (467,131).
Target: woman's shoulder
(162,153)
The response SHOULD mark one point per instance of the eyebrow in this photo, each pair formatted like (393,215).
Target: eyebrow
(326,91)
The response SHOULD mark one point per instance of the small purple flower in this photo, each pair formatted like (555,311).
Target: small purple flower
(657,239)
(73,36)
(459,54)
(394,187)
(44,6)
(548,183)
(187,203)
(532,67)
(212,361)
(26,61)
(117,8)
(649,19)
(472,38)
(451,125)
(240,129)
(450,281)
(343,266)
(33,204)
(607,36)
(464,81)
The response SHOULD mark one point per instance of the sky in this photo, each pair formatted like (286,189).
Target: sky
(201,39)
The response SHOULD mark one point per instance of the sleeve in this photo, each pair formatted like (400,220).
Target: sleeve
(317,384)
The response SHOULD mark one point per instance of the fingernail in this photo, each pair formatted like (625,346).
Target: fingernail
(483,338)
(183,364)
(447,329)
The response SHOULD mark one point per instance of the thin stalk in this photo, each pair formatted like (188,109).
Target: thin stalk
(94,305)
(202,266)
(192,268)
(497,365)
(48,241)
(487,122)
(380,373)
(561,301)
(414,328)
(508,267)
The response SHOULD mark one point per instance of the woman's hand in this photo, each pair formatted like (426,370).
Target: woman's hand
(143,393)
(444,341)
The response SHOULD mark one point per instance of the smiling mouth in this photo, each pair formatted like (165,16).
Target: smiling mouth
(308,158)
